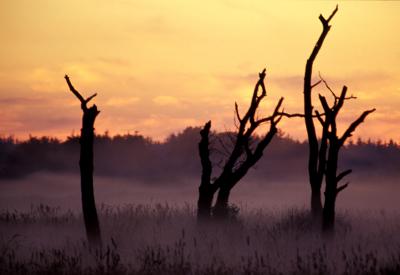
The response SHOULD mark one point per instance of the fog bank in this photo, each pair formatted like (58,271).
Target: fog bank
(63,190)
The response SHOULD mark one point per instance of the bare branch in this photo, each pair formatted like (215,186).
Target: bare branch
(237,112)
(264,142)
(343,174)
(276,121)
(319,117)
(296,114)
(263,120)
(341,188)
(325,105)
(340,101)
(290,115)
(255,100)
(332,92)
(350,97)
(278,106)
(325,22)
(275,114)
(90,98)
(354,125)
(316,84)
(333,14)
(73,90)
(326,85)
(261,82)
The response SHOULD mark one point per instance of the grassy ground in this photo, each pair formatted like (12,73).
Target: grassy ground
(160,239)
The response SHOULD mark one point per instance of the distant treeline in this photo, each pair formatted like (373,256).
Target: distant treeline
(176,159)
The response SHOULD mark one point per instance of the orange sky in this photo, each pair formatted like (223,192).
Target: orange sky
(159,66)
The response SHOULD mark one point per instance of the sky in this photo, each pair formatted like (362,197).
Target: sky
(159,66)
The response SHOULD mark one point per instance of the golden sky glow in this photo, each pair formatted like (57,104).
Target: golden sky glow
(159,66)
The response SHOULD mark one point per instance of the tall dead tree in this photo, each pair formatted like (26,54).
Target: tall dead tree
(335,142)
(242,157)
(317,151)
(86,166)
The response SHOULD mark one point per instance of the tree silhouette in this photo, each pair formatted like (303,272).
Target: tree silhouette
(324,156)
(86,166)
(335,144)
(242,157)
(317,152)
(206,188)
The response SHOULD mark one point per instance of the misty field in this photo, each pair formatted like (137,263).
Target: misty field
(152,229)
(163,239)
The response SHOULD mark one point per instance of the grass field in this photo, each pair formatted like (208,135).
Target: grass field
(163,239)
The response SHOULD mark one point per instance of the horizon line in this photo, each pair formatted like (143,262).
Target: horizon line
(106,133)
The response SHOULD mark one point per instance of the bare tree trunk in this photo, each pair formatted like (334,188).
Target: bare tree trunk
(86,168)
(91,220)
(204,203)
(221,209)
(316,201)
(328,218)
(316,160)
(206,188)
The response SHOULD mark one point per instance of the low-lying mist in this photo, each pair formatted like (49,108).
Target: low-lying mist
(63,190)
(136,169)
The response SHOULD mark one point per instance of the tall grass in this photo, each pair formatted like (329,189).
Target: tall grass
(164,239)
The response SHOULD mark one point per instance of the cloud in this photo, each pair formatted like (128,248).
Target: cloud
(363,79)
(122,101)
(179,100)
(114,61)
(167,101)
(13,101)
(51,79)
(160,126)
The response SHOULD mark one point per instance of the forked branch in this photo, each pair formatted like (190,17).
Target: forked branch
(325,22)
(78,95)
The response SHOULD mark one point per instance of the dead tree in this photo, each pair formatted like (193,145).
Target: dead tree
(206,188)
(86,166)
(335,142)
(242,157)
(317,151)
